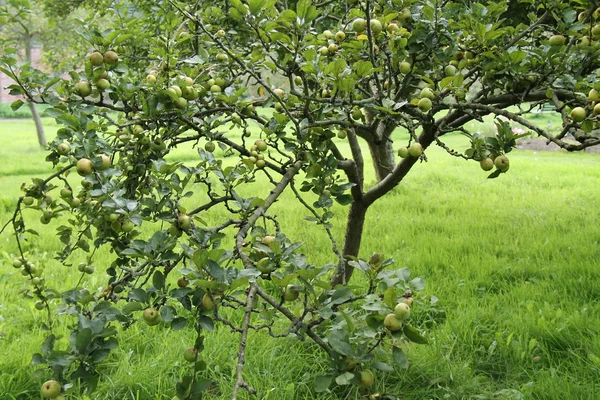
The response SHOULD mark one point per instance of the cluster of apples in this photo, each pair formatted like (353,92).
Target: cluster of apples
(394,321)
(415,150)
(100,64)
(580,114)
(501,162)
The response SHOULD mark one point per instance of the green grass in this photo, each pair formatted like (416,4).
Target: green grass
(513,262)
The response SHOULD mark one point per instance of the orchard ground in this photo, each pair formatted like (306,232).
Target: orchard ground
(513,261)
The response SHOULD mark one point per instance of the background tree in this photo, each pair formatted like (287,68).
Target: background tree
(357,71)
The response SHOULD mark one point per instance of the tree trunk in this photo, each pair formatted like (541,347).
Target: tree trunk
(34,112)
(383,158)
(352,239)
(38,125)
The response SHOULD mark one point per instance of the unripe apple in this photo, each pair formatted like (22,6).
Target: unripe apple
(66,193)
(215,89)
(264,265)
(39,305)
(17,263)
(393,27)
(96,59)
(324,51)
(557,40)
(267,240)
(279,92)
(376,27)
(342,134)
(392,323)
(261,145)
(51,389)
(63,149)
(332,48)
(578,114)
(291,293)
(424,104)
(210,147)
(403,152)
(28,200)
(366,378)
(89,269)
(207,302)
(151,316)
(222,57)
(502,163)
(340,36)
(84,166)
(328,34)
(105,161)
(356,113)
(408,300)
(415,149)
(359,25)
(110,57)
(182,282)
(450,70)
(260,163)
(405,67)
(427,93)
(190,354)
(597,109)
(596,31)
(298,81)
(102,84)
(486,164)
(594,95)
(83,88)
(184,221)
(402,311)
(405,15)
(220,33)
(151,78)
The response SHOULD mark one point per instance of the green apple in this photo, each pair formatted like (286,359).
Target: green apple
(402,311)
(594,95)
(340,36)
(393,27)
(215,89)
(210,147)
(427,93)
(17,263)
(405,15)
(83,88)
(376,27)
(332,48)
(502,163)
(267,240)
(260,163)
(190,354)
(63,149)
(392,323)
(405,67)
(403,152)
(207,302)
(127,226)
(51,389)
(184,221)
(222,57)
(261,145)
(424,104)
(151,316)
(110,57)
(84,166)
(486,164)
(96,59)
(28,200)
(578,114)
(66,193)
(328,34)
(450,70)
(342,134)
(105,161)
(415,149)
(596,112)
(557,40)
(359,25)
(366,378)
(264,265)
(151,78)
(220,33)
(182,282)
(596,31)
(279,92)
(291,293)
(102,84)
(356,113)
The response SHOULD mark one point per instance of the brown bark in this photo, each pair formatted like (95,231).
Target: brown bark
(383,158)
(352,239)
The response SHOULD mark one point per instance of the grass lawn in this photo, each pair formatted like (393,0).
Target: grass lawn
(513,261)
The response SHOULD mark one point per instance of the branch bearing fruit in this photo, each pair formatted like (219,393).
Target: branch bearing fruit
(291,293)
(51,389)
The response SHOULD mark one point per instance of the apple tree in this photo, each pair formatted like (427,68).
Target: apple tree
(348,75)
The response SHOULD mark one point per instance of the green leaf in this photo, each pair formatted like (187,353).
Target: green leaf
(340,342)
(341,295)
(390,298)
(399,357)
(322,383)
(385,367)
(178,323)
(83,340)
(345,378)
(158,280)
(414,335)
(16,105)
(255,6)
(132,306)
